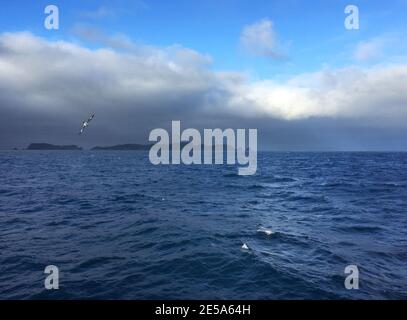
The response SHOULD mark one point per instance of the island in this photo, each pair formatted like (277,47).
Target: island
(147,147)
(47,146)
(124,147)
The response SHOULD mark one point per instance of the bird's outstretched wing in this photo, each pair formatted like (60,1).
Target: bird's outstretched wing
(86,123)
(91,117)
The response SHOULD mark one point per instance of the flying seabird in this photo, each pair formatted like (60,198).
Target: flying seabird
(86,123)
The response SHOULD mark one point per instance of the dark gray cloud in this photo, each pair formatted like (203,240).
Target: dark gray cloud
(48,88)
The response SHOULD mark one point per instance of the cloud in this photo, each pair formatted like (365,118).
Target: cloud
(48,87)
(55,74)
(350,92)
(260,39)
(114,9)
(100,12)
(94,35)
(371,49)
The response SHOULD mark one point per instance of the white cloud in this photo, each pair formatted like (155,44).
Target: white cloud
(377,92)
(371,49)
(100,12)
(114,9)
(260,39)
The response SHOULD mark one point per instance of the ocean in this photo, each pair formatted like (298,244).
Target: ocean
(118,227)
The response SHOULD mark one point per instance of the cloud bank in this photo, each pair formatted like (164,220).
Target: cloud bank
(48,86)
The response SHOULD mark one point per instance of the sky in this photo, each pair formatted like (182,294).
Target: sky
(290,69)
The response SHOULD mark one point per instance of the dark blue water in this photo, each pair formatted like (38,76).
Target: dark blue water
(119,227)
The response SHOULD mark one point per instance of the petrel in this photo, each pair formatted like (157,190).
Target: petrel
(86,123)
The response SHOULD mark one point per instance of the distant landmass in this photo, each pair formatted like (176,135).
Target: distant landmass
(47,146)
(148,147)
(124,147)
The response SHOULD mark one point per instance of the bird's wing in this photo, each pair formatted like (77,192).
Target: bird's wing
(91,117)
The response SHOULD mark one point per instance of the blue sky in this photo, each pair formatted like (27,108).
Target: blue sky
(311,32)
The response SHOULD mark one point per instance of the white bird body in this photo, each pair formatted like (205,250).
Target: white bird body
(245,246)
